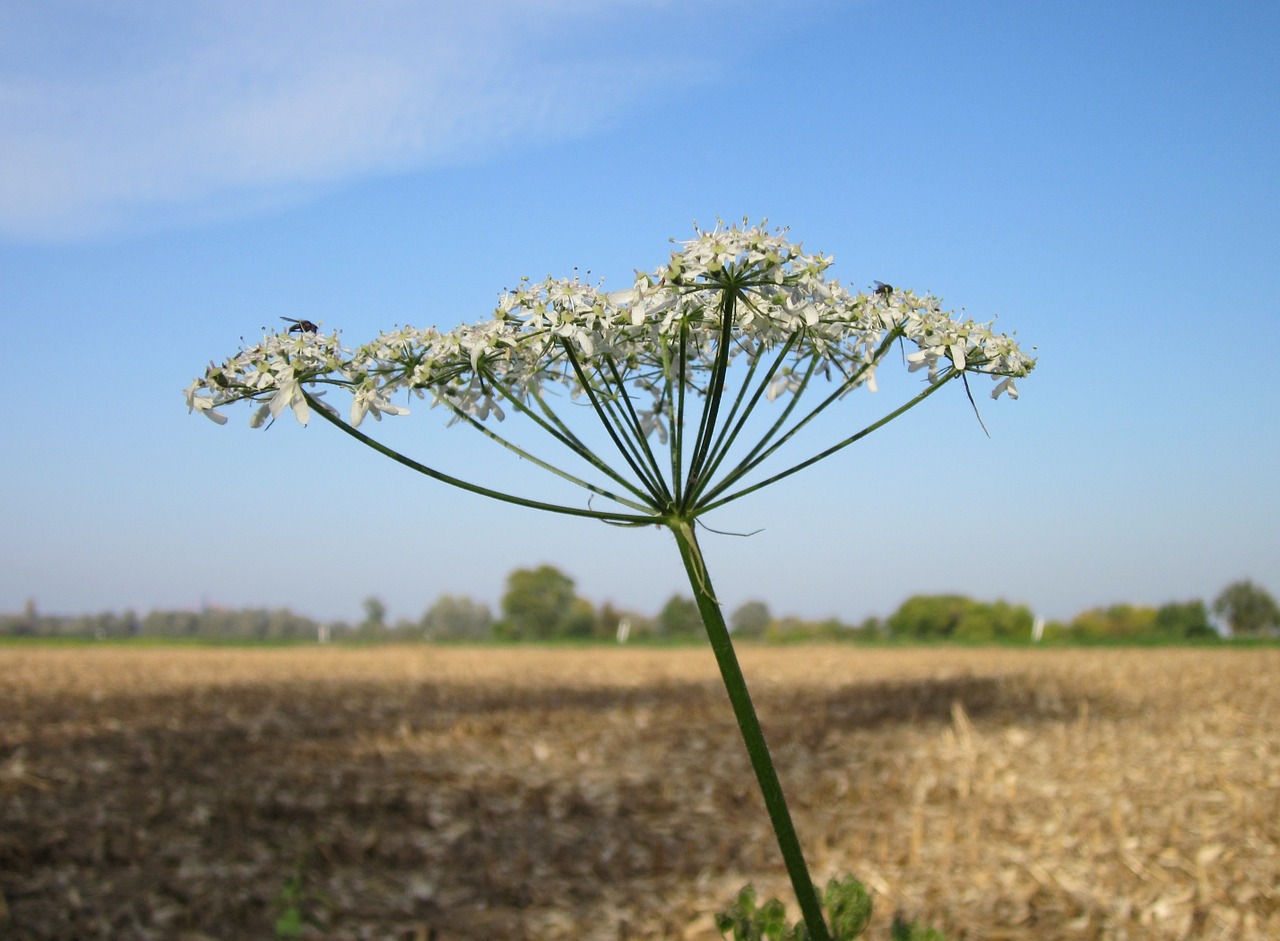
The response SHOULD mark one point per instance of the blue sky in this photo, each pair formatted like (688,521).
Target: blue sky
(1101,177)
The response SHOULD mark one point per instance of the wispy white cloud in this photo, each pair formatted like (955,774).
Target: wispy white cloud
(113,117)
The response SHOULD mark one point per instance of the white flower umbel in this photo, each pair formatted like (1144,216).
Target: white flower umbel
(738,319)
(654,361)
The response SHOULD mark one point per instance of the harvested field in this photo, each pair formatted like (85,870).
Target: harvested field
(419,792)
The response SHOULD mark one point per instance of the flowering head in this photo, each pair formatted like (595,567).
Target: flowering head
(653,360)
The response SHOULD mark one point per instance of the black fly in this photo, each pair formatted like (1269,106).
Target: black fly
(884,290)
(301,326)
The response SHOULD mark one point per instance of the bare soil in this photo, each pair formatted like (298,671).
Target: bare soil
(420,792)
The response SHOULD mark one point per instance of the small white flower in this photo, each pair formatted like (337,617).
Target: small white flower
(372,401)
(1005,385)
(205,407)
(785,381)
(202,403)
(651,423)
(482,411)
(289,395)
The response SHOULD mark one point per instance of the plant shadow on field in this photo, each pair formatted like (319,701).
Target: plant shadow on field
(398,810)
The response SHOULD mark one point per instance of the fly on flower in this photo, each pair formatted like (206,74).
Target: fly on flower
(884,290)
(301,326)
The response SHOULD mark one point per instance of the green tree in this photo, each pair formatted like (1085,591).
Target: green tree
(680,617)
(375,612)
(996,620)
(1184,620)
(607,620)
(955,617)
(873,628)
(929,617)
(1247,609)
(537,603)
(751,619)
(30,623)
(375,617)
(797,629)
(1117,622)
(579,621)
(456,617)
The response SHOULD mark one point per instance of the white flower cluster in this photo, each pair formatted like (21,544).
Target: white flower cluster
(745,291)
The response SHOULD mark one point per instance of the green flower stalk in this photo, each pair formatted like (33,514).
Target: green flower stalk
(692,381)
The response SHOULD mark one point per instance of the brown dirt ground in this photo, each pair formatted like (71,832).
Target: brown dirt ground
(418,792)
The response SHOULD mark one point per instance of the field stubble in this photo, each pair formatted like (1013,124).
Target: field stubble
(419,792)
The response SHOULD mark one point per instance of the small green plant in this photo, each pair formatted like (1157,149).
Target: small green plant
(293,901)
(846,906)
(903,930)
(750,922)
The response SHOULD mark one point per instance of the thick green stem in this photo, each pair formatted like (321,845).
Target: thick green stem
(748,723)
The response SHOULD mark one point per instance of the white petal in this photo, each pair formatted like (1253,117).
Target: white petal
(1005,385)
(280,401)
(301,410)
(359,408)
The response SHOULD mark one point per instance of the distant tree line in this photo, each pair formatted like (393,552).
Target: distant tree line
(542,604)
(246,624)
(1242,608)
